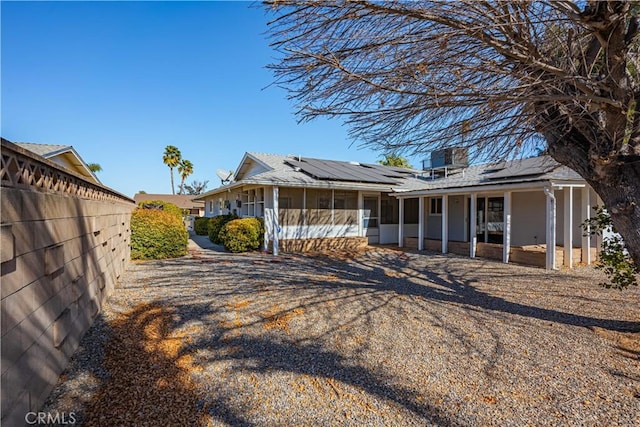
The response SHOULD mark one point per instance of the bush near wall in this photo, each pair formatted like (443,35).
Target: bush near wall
(163,206)
(242,235)
(215,225)
(157,234)
(201,226)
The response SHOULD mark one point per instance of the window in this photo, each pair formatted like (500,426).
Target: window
(318,207)
(290,206)
(411,211)
(435,206)
(389,209)
(345,205)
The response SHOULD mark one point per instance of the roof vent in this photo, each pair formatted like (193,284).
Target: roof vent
(355,163)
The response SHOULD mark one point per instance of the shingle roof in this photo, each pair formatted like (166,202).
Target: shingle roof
(284,170)
(44,150)
(542,168)
(289,171)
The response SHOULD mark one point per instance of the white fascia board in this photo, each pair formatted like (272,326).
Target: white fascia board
(574,184)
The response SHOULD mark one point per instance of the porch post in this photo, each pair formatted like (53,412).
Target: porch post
(445,223)
(506,227)
(275,227)
(550,229)
(586,215)
(400,222)
(473,238)
(420,223)
(568,227)
(360,214)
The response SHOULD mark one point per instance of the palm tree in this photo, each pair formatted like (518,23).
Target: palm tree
(94,167)
(172,158)
(185,168)
(395,160)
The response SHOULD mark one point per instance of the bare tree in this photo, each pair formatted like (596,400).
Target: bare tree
(503,78)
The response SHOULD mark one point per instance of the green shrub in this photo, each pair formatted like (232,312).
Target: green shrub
(163,206)
(201,226)
(242,235)
(215,225)
(157,234)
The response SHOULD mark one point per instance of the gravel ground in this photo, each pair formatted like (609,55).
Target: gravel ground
(380,338)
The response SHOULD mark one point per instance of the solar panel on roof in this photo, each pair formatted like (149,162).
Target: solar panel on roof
(340,171)
(525,167)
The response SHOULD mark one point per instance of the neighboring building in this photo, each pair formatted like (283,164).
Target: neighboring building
(64,155)
(183,201)
(507,211)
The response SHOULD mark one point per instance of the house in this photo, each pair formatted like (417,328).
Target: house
(183,201)
(64,155)
(313,203)
(527,211)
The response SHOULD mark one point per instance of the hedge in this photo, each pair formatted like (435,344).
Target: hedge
(242,235)
(215,225)
(201,226)
(157,234)
(163,206)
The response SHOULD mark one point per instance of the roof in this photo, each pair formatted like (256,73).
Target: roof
(64,155)
(296,171)
(534,169)
(183,201)
(292,171)
(44,150)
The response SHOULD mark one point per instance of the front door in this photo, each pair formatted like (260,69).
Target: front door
(371,218)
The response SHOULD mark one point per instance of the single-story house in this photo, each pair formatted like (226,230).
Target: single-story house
(64,155)
(312,203)
(508,210)
(183,201)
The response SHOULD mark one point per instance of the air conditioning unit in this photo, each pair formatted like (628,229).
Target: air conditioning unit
(451,158)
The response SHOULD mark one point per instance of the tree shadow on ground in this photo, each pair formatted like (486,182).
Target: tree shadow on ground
(143,334)
(459,287)
(148,380)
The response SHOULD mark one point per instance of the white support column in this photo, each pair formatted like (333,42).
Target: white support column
(304,207)
(550,229)
(400,222)
(506,227)
(275,227)
(420,223)
(333,207)
(360,214)
(445,223)
(473,233)
(568,227)
(586,215)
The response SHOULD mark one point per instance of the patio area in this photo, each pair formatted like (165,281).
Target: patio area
(380,337)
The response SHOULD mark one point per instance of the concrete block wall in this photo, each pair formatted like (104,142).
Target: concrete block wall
(61,257)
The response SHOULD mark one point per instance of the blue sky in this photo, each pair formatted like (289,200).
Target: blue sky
(119,81)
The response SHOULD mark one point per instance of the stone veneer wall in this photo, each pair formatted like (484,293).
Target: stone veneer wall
(65,242)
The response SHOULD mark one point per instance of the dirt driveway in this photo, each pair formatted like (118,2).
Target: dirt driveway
(380,338)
